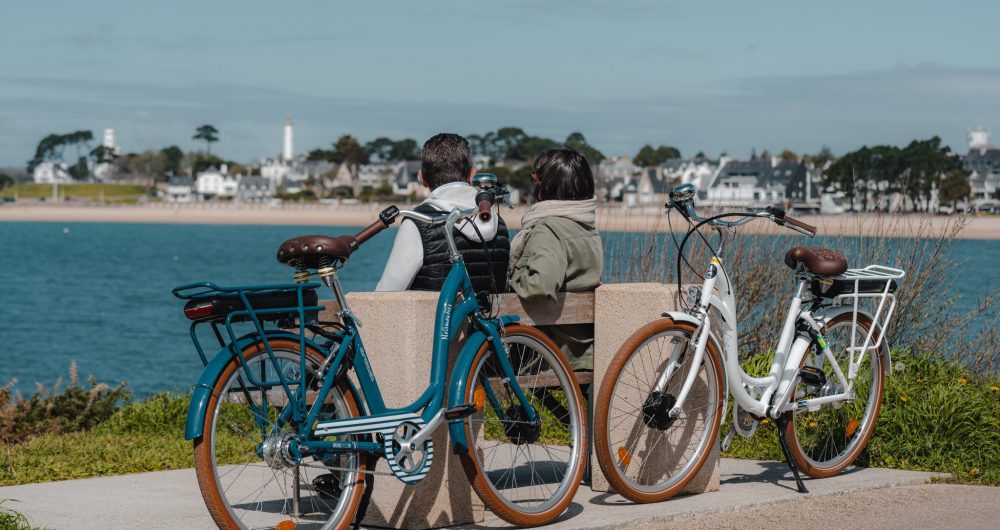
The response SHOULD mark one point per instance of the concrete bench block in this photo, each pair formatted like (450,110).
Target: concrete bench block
(620,310)
(398,336)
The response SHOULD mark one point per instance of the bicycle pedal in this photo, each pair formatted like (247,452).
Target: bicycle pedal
(460,411)
(812,376)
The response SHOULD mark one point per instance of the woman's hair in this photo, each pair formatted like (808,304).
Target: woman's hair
(564,175)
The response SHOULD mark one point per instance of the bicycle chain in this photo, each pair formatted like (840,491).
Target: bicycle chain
(349,470)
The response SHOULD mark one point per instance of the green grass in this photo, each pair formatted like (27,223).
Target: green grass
(936,416)
(11,519)
(112,192)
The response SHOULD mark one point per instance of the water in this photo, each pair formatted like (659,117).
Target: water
(99,293)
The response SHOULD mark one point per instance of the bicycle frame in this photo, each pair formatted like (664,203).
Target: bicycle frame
(427,410)
(801,328)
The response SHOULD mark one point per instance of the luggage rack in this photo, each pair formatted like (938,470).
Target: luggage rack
(879,284)
(257,316)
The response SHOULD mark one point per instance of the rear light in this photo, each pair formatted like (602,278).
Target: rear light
(196,312)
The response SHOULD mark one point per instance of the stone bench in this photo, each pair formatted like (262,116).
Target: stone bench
(398,336)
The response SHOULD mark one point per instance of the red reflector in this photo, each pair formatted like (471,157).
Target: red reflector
(198,311)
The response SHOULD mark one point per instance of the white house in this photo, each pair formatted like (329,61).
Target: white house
(254,189)
(49,172)
(983,164)
(216,183)
(180,189)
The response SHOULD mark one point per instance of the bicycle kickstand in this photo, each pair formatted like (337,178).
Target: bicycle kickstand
(781,423)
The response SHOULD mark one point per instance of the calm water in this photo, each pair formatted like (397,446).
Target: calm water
(99,293)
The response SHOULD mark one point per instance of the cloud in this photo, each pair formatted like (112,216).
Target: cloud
(800,112)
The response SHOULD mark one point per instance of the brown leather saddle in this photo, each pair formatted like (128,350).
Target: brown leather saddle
(819,261)
(309,251)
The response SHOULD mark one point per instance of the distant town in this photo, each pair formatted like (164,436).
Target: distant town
(920,177)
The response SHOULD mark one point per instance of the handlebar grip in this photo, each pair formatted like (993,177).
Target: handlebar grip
(806,227)
(385,218)
(485,200)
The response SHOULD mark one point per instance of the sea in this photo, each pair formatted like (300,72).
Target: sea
(99,294)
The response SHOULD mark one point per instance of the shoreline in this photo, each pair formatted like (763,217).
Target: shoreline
(612,218)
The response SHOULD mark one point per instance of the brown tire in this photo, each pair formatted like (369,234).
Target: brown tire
(854,422)
(223,512)
(564,419)
(616,439)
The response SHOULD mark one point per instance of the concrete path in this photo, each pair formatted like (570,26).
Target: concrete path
(170,499)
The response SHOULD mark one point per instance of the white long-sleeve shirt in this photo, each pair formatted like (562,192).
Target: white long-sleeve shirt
(407,255)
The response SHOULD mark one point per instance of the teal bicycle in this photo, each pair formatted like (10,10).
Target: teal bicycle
(288,421)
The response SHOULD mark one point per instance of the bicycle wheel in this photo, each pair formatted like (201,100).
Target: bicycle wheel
(526,473)
(645,455)
(246,474)
(826,441)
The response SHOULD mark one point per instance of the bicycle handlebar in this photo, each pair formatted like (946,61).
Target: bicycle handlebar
(682,198)
(484,202)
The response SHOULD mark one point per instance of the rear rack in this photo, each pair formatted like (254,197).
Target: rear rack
(257,316)
(885,277)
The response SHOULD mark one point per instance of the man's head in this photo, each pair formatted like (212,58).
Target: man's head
(445,158)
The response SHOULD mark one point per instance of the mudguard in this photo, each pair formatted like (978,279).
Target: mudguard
(198,406)
(459,373)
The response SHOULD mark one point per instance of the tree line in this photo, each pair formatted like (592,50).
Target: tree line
(871,173)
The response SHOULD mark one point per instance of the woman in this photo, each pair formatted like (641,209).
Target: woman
(558,247)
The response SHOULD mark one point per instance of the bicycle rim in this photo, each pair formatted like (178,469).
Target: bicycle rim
(825,441)
(526,476)
(645,456)
(250,479)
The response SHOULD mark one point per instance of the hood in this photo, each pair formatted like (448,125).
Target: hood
(462,195)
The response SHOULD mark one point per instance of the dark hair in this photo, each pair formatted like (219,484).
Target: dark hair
(564,175)
(445,158)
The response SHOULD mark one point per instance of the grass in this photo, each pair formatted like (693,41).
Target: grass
(11,519)
(112,192)
(936,416)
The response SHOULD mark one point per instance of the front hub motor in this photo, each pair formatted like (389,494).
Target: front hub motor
(656,410)
(518,428)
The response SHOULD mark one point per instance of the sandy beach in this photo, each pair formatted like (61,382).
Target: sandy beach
(616,218)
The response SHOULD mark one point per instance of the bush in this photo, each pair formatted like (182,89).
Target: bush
(936,416)
(59,411)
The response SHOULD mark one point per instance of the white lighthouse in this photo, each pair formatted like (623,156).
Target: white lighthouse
(288,152)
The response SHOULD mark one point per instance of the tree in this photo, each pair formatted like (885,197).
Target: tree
(954,187)
(347,150)
(576,141)
(207,133)
(172,158)
(50,149)
(148,163)
(5,180)
(788,154)
(405,149)
(648,157)
(380,148)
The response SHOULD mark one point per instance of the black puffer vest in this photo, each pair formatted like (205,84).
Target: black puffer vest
(481,266)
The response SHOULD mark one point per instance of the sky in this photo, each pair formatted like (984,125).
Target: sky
(701,76)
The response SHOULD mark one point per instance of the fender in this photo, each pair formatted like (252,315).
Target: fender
(198,406)
(458,383)
(832,312)
(680,316)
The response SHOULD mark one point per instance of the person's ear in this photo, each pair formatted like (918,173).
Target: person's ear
(472,173)
(420,177)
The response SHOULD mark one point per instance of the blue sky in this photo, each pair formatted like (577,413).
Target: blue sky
(712,76)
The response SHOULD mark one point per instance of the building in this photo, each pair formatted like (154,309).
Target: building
(254,189)
(614,175)
(51,172)
(180,189)
(285,167)
(983,165)
(216,183)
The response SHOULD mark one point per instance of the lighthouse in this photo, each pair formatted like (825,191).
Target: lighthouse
(287,152)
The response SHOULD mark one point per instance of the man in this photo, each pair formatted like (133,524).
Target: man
(420,256)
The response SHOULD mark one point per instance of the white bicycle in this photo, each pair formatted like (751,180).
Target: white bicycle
(661,404)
